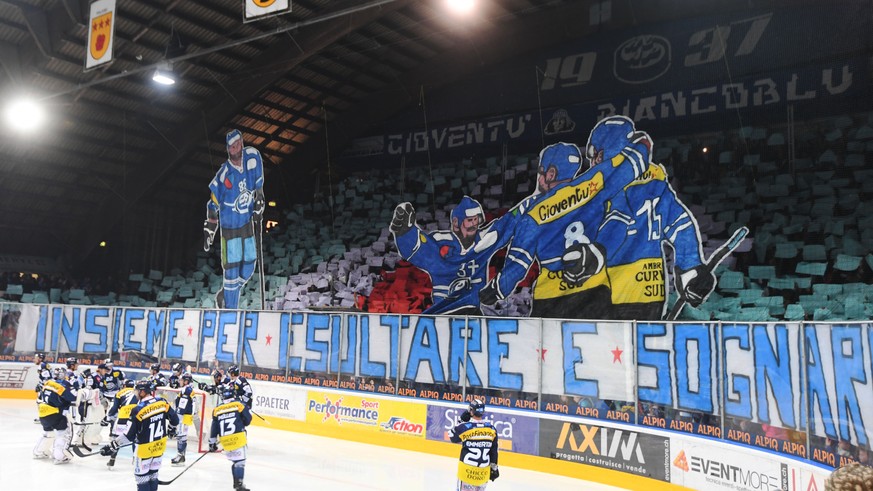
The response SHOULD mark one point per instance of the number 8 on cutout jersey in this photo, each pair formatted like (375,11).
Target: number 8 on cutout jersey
(229,421)
(478,441)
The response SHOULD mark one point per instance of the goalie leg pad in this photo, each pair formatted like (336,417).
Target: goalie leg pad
(62,442)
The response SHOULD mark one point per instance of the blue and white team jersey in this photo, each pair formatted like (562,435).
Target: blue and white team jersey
(564,216)
(185,405)
(479,447)
(457,273)
(639,221)
(112,382)
(56,397)
(44,373)
(148,426)
(242,390)
(229,421)
(233,189)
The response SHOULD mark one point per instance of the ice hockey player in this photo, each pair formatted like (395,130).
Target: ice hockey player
(156,376)
(478,439)
(218,380)
(55,400)
(178,369)
(90,411)
(113,380)
(119,414)
(185,410)
(152,422)
(72,370)
(229,420)
(242,389)
(44,372)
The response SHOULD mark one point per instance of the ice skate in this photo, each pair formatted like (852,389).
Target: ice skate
(178,460)
(239,486)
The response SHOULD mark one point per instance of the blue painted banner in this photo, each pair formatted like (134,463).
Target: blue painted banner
(789,377)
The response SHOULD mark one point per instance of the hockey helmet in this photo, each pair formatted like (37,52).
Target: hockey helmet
(467,208)
(226,392)
(187,378)
(216,374)
(232,136)
(102,366)
(233,370)
(177,368)
(40,356)
(129,383)
(608,138)
(72,362)
(565,158)
(144,384)
(108,363)
(59,373)
(155,367)
(86,373)
(477,408)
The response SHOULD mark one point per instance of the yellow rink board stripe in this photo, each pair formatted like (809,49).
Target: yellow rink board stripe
(530,462)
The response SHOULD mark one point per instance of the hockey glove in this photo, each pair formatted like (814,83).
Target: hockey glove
(258,204)
(465,416)
(213,446)
(403,220)
(582,261)
(202,386)
(110,449)
(209,229)
(695,284)
(495,472)
(489,294)
(172,431)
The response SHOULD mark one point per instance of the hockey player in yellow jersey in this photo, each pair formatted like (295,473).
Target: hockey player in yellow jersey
(229,421)
(478,439)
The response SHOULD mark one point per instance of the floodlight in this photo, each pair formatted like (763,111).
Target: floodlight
(24,115)
(164,74)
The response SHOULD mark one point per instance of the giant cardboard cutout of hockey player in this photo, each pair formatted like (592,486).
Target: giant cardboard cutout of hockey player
(456,259)
(557,230)
(236,205)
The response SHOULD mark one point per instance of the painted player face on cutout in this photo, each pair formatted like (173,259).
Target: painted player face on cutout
(466,232)
(546,179)
(234,152)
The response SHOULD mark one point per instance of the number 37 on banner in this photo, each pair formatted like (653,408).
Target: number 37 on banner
(257,9)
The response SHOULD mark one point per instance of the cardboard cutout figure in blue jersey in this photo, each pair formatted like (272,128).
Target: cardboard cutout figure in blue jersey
(237,197)
(558,228)
(456,259)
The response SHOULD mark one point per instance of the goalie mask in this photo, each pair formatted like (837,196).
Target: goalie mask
(59,373)
(467,217)
(559,163)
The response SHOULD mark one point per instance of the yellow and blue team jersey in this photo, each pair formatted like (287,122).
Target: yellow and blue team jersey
(148,426)
(233,189)
(639,222)
(229,421)
(564,216)
(478,441)
(56,397)
(123,403)
(185,405)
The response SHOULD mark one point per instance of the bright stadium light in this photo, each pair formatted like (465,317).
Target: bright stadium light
(24,115)
(164,74)
(461,6)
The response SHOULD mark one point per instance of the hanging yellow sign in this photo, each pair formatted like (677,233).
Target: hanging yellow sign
(101,31)
(257,9)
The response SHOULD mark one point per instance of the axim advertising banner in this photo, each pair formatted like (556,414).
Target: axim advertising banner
(783,375)
(618,449)
(516,433)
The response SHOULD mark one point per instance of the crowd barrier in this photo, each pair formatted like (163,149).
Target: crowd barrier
(642,398)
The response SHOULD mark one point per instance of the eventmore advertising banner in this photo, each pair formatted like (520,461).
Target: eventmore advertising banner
(793,377)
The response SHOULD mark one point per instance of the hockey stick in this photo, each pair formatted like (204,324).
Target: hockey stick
(262,418)
(259,239)
(717,257)
(165,483)
(82,454)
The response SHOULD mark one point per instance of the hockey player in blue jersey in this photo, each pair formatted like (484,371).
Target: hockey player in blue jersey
(57,396)
(185,409)
(119,413)
(242,389)
(218,380)
(456,259)
(237,197)
(229,421)
(156,377)
(152,422)
(563,219)
(640,221)
(175,378)
(44,372)
(479,447)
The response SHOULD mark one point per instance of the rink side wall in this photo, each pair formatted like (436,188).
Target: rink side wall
(627,456)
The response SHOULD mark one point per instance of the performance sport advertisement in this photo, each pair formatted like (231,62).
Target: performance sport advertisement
(366,413)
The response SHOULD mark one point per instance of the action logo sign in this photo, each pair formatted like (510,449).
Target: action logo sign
(257,9)
(610,448)
(100,33)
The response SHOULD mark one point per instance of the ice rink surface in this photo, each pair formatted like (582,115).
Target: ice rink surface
(276,460)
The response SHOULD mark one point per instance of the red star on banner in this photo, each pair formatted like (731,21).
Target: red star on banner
(268,339)
(542,353)
(616,355)
(94,26)
(592,187)
(190,331)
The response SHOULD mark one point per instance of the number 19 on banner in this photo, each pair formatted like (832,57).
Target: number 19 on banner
(257,9)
